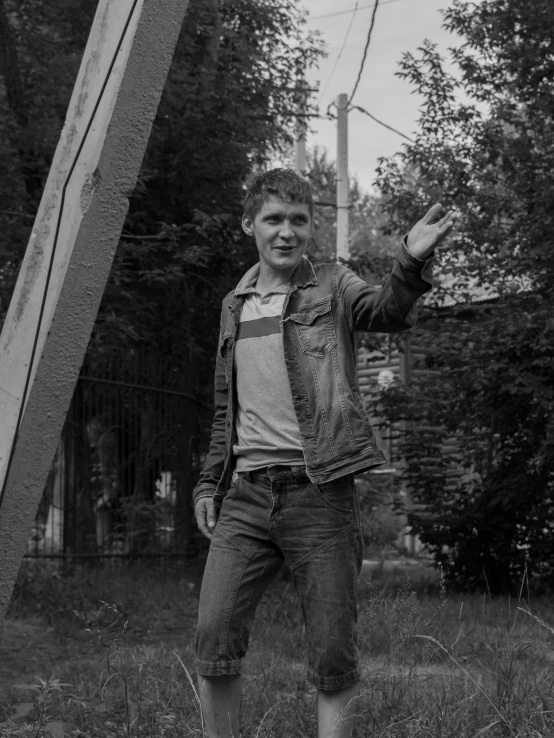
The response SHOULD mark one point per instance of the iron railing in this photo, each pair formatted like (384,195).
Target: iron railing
(121,483)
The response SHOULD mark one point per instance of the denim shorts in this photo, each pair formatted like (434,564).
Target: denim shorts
(272,515)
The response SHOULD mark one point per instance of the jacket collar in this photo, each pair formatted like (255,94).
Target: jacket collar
(303,275)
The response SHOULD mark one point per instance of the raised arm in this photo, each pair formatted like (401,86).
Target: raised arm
(393,307)
(429,233)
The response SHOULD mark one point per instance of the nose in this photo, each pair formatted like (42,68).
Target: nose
(286,230)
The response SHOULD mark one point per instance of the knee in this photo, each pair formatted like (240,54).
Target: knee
(207,632)
(219,650)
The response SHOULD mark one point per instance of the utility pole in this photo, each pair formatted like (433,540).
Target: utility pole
(343,251)
(300,151)
(301,131)
(71,248)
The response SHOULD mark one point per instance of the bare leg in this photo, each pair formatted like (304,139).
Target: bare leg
(336,712)
(220,700)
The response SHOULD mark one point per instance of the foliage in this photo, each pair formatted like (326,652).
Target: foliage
(382,526)
(47,691)
(484,147)
(474,456)
(372,246)
(41,45)
(236,75)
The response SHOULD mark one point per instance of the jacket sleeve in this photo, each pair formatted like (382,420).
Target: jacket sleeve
(392,307)
(214,461)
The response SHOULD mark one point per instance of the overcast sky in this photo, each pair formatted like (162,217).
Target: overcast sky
(401,25)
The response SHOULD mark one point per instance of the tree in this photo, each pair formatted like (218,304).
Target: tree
(484,146)
(372,245)
(235,79)
(234,86)
(40,49)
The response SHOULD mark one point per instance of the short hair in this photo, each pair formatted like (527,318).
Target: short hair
(283,182)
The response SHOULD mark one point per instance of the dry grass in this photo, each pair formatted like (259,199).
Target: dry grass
(435,664)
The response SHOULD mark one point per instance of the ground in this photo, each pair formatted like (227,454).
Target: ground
(435,663)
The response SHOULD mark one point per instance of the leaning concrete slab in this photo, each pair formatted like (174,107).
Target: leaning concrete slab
(82,211)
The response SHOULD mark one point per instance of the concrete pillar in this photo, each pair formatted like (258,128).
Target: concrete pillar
(301,129)
(83,208)
(343,250)
(300,151)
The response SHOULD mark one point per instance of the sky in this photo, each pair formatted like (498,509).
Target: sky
(400,25)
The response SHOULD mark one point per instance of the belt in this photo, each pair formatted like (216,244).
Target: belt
(277,471)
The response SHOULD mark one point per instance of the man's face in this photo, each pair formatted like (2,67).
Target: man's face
(281,230)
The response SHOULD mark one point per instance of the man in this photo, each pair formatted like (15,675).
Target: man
(288,435)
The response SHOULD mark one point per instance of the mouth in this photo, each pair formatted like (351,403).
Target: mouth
(284,249)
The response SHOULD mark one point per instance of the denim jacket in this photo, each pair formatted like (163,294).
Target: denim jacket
(324,305)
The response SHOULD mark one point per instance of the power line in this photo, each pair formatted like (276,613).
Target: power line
(351,10)
(340,52)
(365,50)
(354,10)
(394,130)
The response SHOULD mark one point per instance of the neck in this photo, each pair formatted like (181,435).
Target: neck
(269,280)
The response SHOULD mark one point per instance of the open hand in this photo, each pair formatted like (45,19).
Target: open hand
(427,234)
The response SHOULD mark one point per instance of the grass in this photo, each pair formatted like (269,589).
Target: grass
(435,664)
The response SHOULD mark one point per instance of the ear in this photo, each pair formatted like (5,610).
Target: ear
(247,225)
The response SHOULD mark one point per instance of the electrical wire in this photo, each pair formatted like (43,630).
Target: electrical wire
(54,247)
(363,110)
(340,53)
(354,10)
(368,40)
(350,10)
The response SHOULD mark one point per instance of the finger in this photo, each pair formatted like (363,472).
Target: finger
(205,532)
(432,213)
(442,243)
(444,230)
(445,246)
(211,514)
(450,217)
(201,520)
(204,529)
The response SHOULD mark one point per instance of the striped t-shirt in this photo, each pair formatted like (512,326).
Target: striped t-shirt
(267,429)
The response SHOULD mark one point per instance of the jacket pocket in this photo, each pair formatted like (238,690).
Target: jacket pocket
(315,328)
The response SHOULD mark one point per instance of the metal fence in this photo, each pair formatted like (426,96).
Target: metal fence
(121,483)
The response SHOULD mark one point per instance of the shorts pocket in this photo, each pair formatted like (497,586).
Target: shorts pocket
(337,495)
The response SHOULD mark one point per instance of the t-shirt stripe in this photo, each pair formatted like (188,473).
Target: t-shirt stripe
(259,327)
